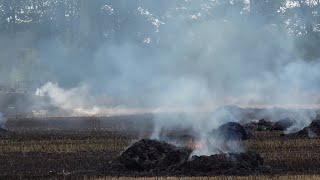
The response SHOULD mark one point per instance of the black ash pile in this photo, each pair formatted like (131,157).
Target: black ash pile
(231,131)
(247,163)
(311,131)
(264,125)
(3,131)
(151,157)
(227,131)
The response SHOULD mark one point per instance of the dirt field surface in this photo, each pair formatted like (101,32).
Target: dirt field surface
(69,148)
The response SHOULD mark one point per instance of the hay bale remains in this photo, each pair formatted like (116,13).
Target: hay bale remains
(151,157)
(231,131)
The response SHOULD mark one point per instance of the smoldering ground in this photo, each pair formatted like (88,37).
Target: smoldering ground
(2,121)
(181,59)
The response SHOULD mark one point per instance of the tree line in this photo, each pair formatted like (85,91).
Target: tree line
(141,20)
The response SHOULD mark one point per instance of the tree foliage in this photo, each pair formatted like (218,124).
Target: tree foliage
(142,20)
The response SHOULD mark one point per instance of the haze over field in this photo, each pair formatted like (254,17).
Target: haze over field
(110,56)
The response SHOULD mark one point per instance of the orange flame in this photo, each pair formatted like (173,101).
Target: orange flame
(193,145)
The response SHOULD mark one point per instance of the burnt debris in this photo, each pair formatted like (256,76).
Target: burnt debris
(231,131)
(3,131)
(223,164)
(284,124)
(227,131)
(264,125)
(178,135)
(311,131)
(151,157)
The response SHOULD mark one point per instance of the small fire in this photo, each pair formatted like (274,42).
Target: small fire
(193,145)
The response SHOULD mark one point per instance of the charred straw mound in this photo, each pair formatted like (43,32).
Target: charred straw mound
(231,131)
(311,131)
(263,125)
(3,131)
(227,131)
(223,164)
(315,127)
(150,157)
(284,124)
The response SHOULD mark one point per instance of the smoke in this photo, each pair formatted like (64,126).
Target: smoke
(75,100)
(242,66)
(3,121)
(180,59)
(215,145)
(204,64)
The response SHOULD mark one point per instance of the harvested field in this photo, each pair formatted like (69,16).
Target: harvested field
(297,177)
(62,153)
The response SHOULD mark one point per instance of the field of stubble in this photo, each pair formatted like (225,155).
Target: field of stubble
(59,148)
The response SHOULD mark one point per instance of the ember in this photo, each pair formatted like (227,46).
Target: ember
(193,145)
(150,157)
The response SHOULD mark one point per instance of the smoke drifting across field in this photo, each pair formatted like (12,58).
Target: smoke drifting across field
(3,120)
(189,61)
(210,63)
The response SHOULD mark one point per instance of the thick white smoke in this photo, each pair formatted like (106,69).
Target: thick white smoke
(76,101)
(3,121)
(186,60)
(209,64)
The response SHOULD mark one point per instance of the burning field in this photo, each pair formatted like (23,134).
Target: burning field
(93,147)
(150,157)
(158,89)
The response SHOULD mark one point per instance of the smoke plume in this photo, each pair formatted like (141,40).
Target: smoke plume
(3,121)
(176,56)
(74,100)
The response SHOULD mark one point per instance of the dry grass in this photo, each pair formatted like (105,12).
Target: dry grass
(305,177)
(284,144)
(285,156)
(287,150)
(303,154)
(59,146)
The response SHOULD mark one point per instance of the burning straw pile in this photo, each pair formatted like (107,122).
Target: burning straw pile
(311,131)
(263,125)
(152,157)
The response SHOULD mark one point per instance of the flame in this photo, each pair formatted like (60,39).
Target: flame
(193,145)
